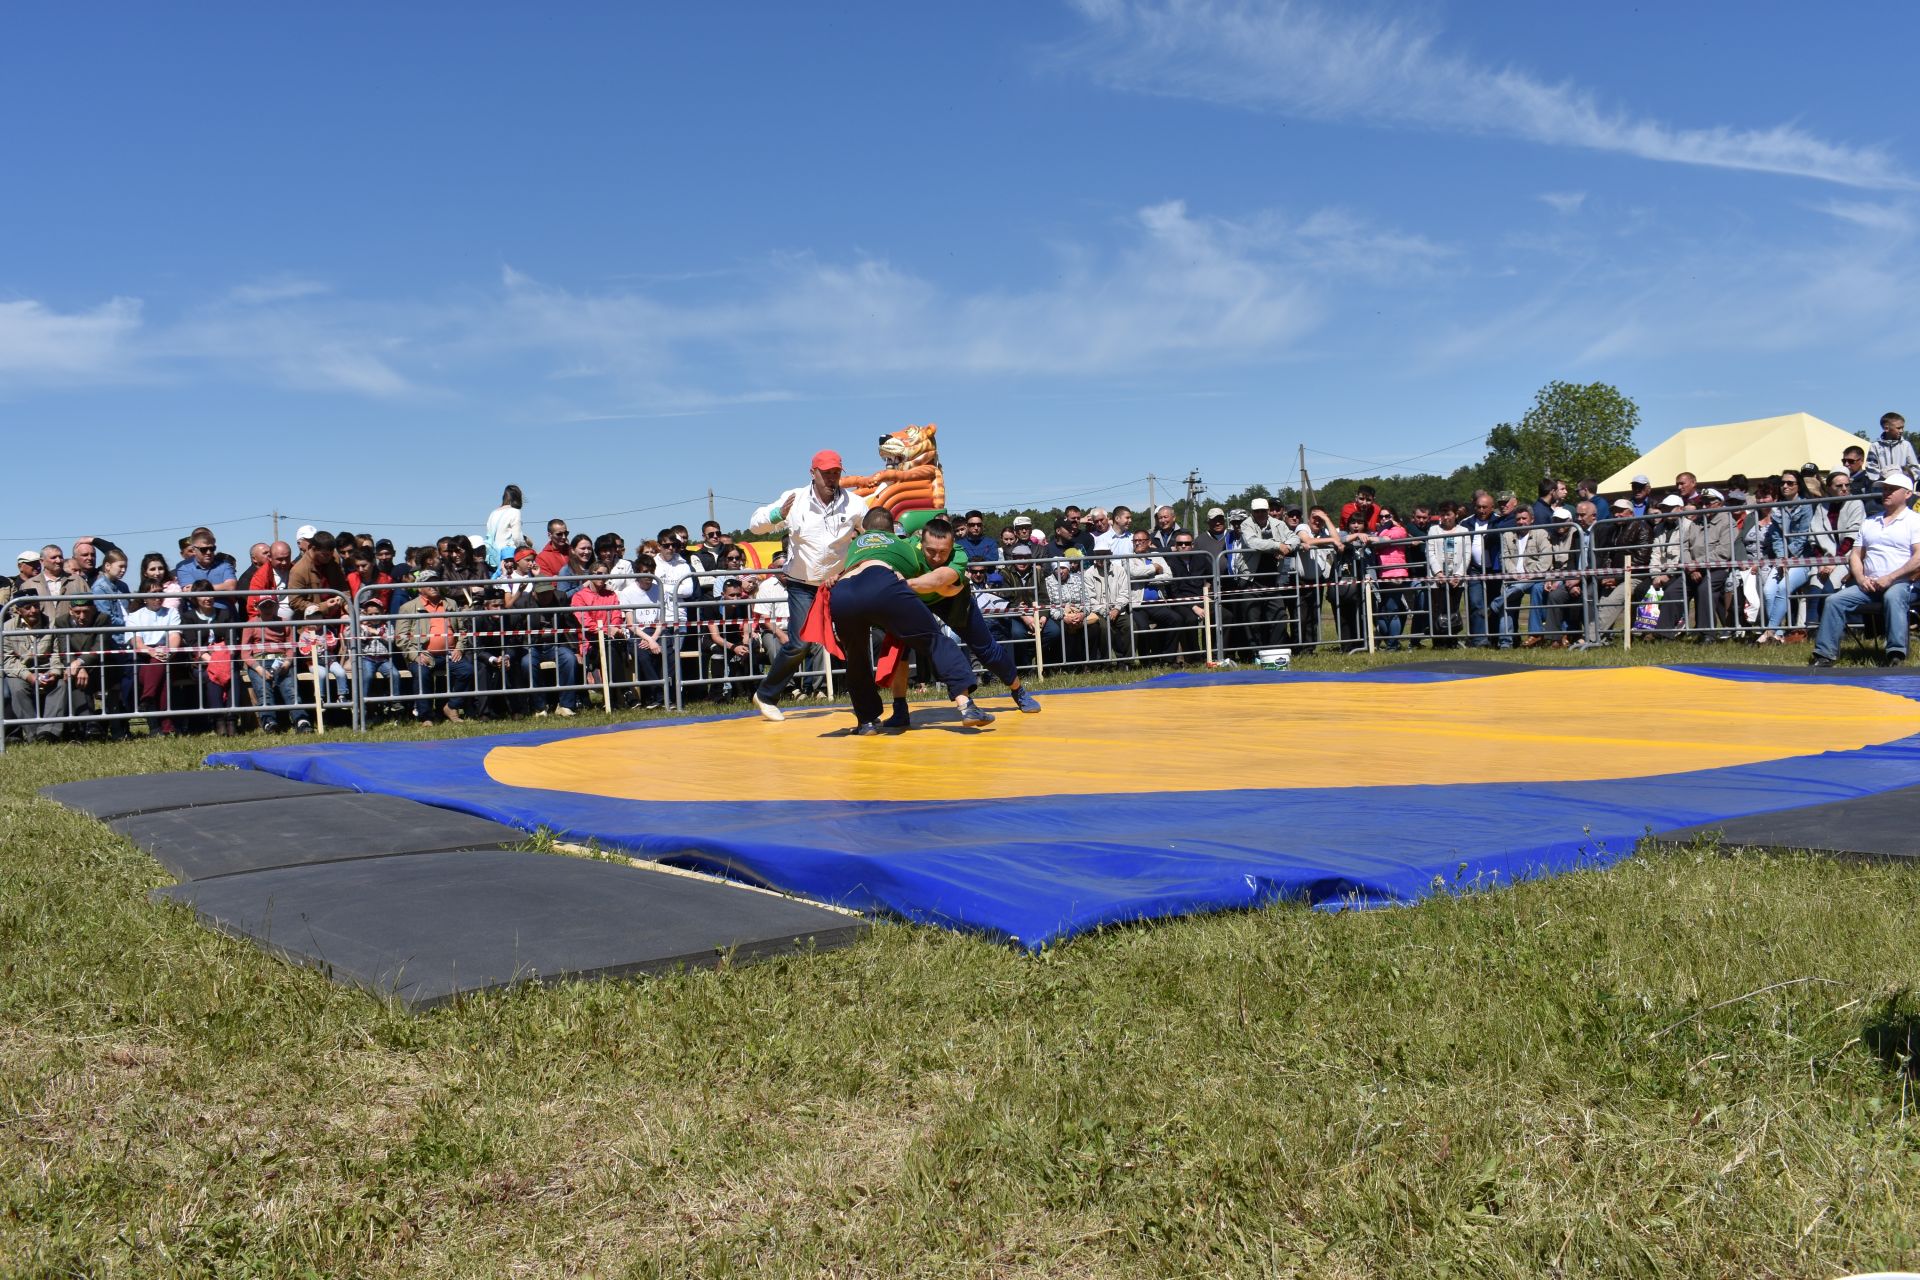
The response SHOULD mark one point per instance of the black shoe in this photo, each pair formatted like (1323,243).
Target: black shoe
(1819,660)
(1894,658)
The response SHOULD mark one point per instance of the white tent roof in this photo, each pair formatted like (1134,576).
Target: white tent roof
(1764,446)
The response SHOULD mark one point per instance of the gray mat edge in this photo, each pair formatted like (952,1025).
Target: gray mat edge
(834,939)
(307,789)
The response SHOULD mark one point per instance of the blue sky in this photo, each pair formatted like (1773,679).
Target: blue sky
(365,264)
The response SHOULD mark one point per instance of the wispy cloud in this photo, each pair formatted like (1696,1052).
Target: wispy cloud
(37,342)
(1174,288)
(1588,307)
(1297,59)
(1895,218)
(1565,203)
(276,289)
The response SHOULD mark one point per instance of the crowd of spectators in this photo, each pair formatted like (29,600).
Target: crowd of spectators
(497,624)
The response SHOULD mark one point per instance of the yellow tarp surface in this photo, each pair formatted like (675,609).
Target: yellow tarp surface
(1762,447)
(1535,726)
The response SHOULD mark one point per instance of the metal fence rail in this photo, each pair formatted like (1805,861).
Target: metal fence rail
(193,661)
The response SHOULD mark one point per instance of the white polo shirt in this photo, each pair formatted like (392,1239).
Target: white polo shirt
(817,532)
(1886,544)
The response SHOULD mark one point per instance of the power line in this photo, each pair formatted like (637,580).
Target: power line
(1389,466)
(444,524)
(132,533)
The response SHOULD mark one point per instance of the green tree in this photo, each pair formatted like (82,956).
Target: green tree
(1571,433)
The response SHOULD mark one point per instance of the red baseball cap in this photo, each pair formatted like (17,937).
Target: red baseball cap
(825,460)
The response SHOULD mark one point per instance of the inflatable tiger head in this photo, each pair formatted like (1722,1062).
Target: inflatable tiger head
(911,478)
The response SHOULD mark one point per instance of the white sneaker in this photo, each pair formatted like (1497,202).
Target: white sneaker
(564,711)
(767,709)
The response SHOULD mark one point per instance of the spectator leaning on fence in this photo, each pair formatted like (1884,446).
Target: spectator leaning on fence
(55,584)
(1786,539)
(1883,563)
(35,678)
(316,581)
(1618,574)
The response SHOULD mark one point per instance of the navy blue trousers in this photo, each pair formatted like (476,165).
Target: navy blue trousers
(878,599)
(974,632)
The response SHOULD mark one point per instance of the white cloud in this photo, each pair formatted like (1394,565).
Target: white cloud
(1181,288)
(38,343)
(1296,59)
(1892,218)
(277,289)
(1564,202)
(1178,288)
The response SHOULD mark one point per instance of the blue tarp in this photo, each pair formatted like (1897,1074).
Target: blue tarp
(1040,869)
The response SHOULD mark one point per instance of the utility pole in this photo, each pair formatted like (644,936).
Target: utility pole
(276,526)
(709,504)
(1153,502)
(1195,487)
(1306,490)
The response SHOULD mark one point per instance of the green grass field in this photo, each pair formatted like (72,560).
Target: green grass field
(1680,1066)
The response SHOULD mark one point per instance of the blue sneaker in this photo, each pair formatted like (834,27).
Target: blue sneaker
(1026,701)
(867,729)
(973,715)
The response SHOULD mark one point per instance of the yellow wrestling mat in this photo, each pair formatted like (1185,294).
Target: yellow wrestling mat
(1532,726)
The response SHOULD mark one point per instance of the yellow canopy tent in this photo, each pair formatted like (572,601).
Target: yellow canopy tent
(1764,446)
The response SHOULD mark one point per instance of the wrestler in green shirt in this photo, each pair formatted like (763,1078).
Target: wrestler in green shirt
(904,556)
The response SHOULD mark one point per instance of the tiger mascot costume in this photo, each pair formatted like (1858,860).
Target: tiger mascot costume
(911,480)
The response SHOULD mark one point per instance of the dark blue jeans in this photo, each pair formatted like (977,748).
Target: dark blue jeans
(800,598)
(876,600)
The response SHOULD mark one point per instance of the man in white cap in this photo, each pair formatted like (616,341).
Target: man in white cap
(1642,499)
(1883,563)
(818,519)
(1268,547)
(1710,554)
(27,566)
(302,536)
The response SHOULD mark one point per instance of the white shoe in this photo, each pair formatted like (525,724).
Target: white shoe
(564,711)
(767,710)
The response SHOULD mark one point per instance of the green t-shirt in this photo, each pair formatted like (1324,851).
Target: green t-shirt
(906,556)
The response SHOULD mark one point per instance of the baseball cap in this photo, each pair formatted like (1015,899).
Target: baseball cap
(1020,550)
(1714,495)
(1216,513)
(427,575)
(27,557)
(1673,500)
(1809,468)
(1561,513)
(1621,504)
(1896,479)
(1023,522)
(1237,514)
(475,541)
(1640,480)
(304,532)
(827,460)
(1261,504)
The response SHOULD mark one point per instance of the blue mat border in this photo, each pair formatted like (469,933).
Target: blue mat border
(1037,870)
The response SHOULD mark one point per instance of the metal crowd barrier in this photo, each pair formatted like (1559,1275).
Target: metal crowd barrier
(203,672)
(520,654)
(199,666)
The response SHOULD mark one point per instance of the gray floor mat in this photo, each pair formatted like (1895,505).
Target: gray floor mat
(427,927)
(221,840)
(121,797)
